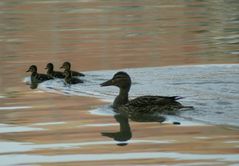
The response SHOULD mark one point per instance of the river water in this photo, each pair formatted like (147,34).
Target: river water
(169,47)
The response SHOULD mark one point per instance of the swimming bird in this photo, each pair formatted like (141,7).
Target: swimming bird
(142,105)
(69,79)
(36,77)
(53,74)
(67,66)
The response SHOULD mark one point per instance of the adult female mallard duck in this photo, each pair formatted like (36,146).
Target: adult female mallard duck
(53,74)
(69,79)
(36,77)
(141,105)
(67,66)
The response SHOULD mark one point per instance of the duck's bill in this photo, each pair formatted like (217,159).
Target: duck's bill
(107,83)
(46,67)
(28,70)
(61,67)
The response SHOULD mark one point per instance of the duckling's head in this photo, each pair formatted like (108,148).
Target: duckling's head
(49,66)
(32,68)
(120,79)
(66,66)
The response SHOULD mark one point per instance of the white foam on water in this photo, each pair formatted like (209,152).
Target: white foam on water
(105,110)
(6,128)
(14,147)
(213,90)
(34,159)
(100,125)
(48,123)
(15,107)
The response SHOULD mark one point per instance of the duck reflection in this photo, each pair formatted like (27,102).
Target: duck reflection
(33,85)
(138,117)
(124,134)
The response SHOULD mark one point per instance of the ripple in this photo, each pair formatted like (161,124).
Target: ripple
(15,107)
(6,128)
(33,159)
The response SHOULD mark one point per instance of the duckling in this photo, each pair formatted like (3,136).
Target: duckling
(67,66)
(143,104)
(36,77)
(53,74)
(69,79)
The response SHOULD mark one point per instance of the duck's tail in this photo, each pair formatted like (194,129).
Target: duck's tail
(186,107)
(178,97)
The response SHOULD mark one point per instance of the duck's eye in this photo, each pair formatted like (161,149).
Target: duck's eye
(119,76)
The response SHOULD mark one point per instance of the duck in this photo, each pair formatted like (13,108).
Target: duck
(68,80)
(143,105)
(36,77)
(53,74)
(67,66)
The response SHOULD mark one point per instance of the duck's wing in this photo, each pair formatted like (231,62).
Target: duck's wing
(42,77)
(75,73)
(58,74)
(153,100)
(151,104)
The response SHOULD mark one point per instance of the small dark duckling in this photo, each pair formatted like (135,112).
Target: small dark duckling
(67,66)
(36,77)
(69,79)
(143,104)
(53,74)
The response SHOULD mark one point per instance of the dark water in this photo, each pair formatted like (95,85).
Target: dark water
(38,127)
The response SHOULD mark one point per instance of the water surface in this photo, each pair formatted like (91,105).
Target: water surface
(55,125)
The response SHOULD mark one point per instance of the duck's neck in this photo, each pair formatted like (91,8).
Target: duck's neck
(34,77)
(68,76)
(49,71)
(34,74)
(122,98)
(66,70)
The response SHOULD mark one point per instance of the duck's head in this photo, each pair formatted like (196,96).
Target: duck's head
(66,66)
(120,79)
(49,66)
(32,69)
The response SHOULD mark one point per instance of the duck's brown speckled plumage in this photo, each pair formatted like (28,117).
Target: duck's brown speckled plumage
(151,104)
(36,77)
(53,74)
(67,67)
(141,105)
(69,79)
